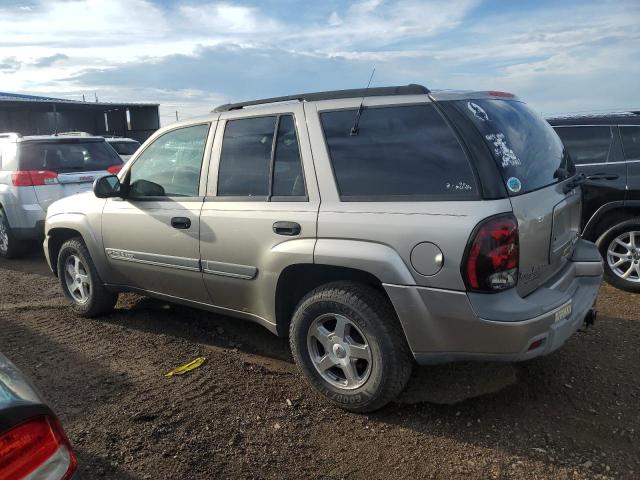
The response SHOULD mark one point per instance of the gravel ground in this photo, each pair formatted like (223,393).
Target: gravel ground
(248,413)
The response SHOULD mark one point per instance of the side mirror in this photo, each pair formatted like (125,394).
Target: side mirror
(107,187)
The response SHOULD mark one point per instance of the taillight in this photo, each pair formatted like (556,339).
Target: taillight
(32,178)
(114,169)
(492,256)
(37,448)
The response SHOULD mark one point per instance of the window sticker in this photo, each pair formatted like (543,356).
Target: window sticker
(514,184)
(478,111)
(502,150)
(459,186)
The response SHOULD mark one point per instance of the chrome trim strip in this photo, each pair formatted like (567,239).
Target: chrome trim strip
(181,263)
(606,163)
(233,270)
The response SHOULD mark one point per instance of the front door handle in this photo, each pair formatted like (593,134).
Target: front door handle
(182,223)
(287,228)
(603,176)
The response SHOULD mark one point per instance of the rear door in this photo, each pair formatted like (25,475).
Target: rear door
(65,166)
(630,135)
(595,150)
(261,208)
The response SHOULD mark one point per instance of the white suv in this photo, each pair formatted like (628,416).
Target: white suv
(35,171)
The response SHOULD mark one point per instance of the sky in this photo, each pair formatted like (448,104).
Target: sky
(191,55)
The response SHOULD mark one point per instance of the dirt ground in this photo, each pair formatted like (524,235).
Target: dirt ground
(248,413)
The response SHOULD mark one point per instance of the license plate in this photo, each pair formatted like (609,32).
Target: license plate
(563,313)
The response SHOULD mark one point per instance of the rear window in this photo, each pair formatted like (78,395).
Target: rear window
(67,156)
(528,152)
(587,144)
(399,153)
(125,148)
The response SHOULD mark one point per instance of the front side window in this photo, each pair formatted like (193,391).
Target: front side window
(586,144)
(171,165)
(631,142)
(260,158)
(398,153)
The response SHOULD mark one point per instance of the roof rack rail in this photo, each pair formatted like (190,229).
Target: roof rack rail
(411,89)
(11,135)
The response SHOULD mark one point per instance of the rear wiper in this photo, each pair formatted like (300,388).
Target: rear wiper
(576,181)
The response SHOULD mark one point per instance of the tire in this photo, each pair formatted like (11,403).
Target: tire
(9,247)
(370,323)
(613,251)
(81,283)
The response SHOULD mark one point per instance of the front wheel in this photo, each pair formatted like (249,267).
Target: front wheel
(347,341)
(620,249)
(80,281)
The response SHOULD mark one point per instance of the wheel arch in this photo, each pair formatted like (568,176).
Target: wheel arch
(608,216)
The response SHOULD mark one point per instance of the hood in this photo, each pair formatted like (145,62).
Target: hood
(78,203)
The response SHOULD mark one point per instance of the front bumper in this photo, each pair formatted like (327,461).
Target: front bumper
(443,325)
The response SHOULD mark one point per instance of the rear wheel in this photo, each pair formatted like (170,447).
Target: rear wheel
(80,281)
(9,247)
(347,341)
(620,249)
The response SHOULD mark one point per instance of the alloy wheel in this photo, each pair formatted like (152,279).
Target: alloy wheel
(77,279)
(339,351)
(623,256)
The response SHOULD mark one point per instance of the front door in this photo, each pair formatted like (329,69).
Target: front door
(151,238)
(596,152)
(261,209)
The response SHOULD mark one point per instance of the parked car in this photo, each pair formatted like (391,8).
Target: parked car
(37,170)
(606,148)
(125,147)
(33,444)
(373,227)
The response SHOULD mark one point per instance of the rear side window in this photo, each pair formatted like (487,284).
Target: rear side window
(631,142)
(586,144)
(399,153)
(261,158)
(67,156)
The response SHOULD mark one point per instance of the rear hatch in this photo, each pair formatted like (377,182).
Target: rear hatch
(535,168)
(66,166)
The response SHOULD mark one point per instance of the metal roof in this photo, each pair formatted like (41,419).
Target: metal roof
(411,89)
(21,97)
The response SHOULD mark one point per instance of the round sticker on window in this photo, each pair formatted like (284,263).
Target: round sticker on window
(514,185)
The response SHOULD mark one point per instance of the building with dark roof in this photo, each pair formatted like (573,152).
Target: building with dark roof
(38,115)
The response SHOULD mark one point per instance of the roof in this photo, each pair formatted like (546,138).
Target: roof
(21,97)
(411,89)
(631,117)
(14,137)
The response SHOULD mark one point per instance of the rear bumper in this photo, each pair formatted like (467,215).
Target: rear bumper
(26,220)
(443,325)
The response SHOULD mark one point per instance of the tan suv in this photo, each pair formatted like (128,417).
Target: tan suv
(376,228)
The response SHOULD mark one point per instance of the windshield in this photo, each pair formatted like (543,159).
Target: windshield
(529,153)
(125,148)
(67,156)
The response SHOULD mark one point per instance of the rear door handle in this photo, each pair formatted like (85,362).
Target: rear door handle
(287,228)
(182,223)
(603,176)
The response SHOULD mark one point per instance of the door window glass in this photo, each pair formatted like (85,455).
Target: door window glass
(171,165)
(251,154)
(631,142)
(288,180)
(586,144)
